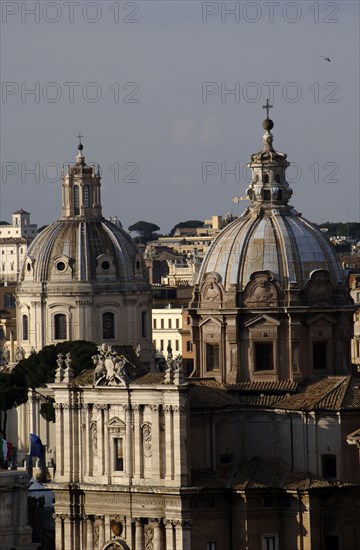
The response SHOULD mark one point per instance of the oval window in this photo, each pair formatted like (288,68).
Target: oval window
(28,267)
(60,266)
(105,265)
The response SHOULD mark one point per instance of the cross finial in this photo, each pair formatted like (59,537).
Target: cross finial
(79,136)
(267,107)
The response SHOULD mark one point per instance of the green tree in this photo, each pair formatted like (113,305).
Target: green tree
(41,228)
(188,223)
(145,230)
(39,369)
(13,392)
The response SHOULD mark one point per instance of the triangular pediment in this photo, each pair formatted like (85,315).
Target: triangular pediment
(210,319)
(321,317)
(261,319)
(115,422)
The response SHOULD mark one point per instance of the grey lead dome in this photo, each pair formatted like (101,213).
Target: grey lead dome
(270,235)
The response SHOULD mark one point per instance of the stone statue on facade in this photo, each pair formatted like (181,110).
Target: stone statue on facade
(110,367)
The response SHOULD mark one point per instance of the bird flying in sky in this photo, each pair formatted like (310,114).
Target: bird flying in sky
(325,58)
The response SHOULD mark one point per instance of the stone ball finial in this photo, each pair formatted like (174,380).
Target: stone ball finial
(268,124)
(80,147)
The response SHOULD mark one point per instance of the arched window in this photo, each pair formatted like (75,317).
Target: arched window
(60,327)
(25,327)
(108,326)
(266,178)
(76,200)
(86,196)
(277,178)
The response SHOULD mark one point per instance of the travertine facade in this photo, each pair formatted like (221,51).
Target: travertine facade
(15,532)
(124,452)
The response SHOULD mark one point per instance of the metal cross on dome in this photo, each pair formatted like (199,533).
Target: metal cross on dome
(267,107)
(79,136)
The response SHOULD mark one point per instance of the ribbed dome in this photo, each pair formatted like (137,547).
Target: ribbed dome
(271,235)
(281,242)
(87,250)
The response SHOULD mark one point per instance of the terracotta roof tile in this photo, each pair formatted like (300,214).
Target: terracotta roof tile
(260,473)
(276,385)
(149,379)
(333,393)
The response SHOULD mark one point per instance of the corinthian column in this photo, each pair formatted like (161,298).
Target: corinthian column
(169,534)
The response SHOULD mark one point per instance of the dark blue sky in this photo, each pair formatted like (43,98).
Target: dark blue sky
(149,86)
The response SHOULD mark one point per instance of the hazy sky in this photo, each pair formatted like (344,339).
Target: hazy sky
(149,85)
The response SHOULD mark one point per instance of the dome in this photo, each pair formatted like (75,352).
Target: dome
(83,277)
(83,246)
(270,235)
(81,250)
(284,243)
(272,301)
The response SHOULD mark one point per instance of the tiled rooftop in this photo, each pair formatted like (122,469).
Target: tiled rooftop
(260,473)
(333,393)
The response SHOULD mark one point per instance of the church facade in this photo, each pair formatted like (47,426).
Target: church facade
(249,452)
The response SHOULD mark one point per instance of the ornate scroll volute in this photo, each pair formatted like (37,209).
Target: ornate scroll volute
(318,289)
(261,291)
(212,291)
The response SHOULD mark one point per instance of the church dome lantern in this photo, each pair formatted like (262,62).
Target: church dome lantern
(270,288)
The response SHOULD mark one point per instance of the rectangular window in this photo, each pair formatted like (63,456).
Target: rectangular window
(329,466)
(162,323)
(189,346)
(25,327)
(169,323)
(212,357)
(144,324)
(9,300)
(60,327)
(319,355)
(332,542)
(176,345)
(118,454)
(161,345)
(269,542)
(177,323)
(264,356)
(211,546)
(154,323)
(108,325)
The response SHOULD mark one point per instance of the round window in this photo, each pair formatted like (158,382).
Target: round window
(60,266)
(105,265)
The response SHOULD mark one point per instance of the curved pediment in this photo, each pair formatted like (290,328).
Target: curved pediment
(212,291)
(261,290)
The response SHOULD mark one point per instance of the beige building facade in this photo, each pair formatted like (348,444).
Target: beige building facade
(166,326)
